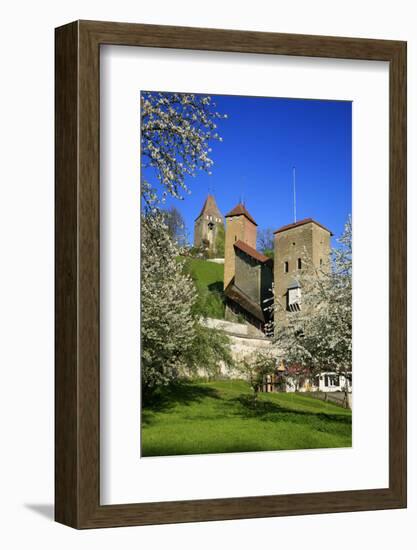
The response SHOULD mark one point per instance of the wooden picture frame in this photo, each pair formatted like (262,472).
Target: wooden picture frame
(77,405)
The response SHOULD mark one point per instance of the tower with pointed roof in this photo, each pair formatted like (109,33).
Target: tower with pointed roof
(207,225)
(247,272)
(240,226)
(293,244)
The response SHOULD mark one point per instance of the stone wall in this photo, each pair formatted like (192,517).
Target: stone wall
(293,245)
(235,328)
(243,342)
(248,276)
(202,231)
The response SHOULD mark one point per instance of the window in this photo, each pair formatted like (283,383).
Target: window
(299,263)
(331,380)
(285,267)
(321,262)
(294,299)
(235,238)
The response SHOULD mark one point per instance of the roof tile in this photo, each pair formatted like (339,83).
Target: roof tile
(210,208)
(299,223)
(240,210)
(247,249)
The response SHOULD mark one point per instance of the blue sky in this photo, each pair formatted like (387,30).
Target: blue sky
(263,138)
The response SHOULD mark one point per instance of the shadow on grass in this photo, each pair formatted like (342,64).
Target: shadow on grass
(168,397)
(232,447)
(267,410)
(217,288)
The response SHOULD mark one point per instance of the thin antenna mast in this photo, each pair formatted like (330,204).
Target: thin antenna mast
(294,195)
(242,186)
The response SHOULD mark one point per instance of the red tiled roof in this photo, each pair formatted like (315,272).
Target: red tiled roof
(301,222)
(240,210)
(247,249)
(210,208)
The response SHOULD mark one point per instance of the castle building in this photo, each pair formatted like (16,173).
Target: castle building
(247,273)
(293,244)
(207,226)
(240,226)
(258,290)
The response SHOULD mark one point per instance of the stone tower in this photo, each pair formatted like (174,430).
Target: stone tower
(292,243)
(207,225)
(240,226)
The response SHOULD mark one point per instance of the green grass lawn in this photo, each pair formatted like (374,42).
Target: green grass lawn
(219,417)
(206,273)
(208,278)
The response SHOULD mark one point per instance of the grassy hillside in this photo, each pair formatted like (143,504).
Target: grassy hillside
(207,273)
(208,278)
(219,417)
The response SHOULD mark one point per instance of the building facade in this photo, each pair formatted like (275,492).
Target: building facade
(240,226)
(248,274)
(298,246)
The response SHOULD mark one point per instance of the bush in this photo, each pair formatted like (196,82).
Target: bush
(209,304)
(219,244)
(209,351)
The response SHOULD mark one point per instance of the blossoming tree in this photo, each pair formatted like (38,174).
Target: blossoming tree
(176,131)
(319,335)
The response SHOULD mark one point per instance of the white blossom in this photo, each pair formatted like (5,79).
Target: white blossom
(167,298)
(176,132)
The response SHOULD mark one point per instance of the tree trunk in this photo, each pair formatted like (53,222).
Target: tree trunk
(346,397)
(255,399)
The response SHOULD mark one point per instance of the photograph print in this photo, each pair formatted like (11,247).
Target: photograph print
(245,273)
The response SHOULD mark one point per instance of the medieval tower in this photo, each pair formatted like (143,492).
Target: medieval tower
(240,226)
(207,226)
(294,243)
